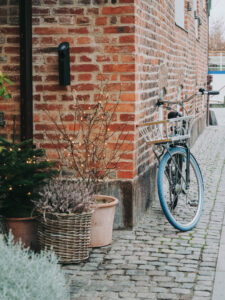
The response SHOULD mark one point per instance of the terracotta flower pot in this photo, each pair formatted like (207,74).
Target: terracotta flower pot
(24,229)
(102,221)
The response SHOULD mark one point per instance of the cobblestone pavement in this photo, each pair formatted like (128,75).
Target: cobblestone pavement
(155,261)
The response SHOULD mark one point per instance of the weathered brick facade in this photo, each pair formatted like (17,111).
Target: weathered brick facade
(134,48)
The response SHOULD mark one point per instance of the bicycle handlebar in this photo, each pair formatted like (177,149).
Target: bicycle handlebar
(213,92)
(201,91)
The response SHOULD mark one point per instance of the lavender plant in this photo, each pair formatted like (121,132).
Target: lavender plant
(27,275)
(65,196)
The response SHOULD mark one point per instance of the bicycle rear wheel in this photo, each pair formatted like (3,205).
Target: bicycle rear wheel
(182,205)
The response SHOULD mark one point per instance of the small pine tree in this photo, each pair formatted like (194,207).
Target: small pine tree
(22,171)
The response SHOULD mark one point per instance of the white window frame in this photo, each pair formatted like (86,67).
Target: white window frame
(179,13)
(195,19)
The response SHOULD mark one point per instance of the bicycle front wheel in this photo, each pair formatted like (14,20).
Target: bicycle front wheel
(181,201)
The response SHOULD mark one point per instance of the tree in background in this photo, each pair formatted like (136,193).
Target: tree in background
(216,36)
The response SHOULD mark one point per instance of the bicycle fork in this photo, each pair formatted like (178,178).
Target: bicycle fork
(188,168)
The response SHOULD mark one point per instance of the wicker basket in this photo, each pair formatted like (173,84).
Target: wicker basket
(166,131)
(67,235)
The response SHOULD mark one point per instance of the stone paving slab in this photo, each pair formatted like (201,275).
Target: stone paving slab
(155,261)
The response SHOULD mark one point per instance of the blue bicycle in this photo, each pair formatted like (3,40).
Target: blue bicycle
(180,182)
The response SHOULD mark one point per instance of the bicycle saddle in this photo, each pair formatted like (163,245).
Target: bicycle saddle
(174,114)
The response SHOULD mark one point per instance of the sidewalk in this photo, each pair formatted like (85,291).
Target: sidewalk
(155,261)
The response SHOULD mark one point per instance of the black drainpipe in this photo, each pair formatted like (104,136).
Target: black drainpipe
(26,108)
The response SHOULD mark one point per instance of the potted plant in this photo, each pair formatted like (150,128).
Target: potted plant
(64,210)
(22,171)
(84,151)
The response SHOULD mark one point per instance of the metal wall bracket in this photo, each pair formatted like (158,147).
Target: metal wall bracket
(2,120)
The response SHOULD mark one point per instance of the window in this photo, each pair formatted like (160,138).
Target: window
(196,18)
(179,13)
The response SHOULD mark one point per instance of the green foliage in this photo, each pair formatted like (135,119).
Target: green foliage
(22,171)
(25,275)
(4,81)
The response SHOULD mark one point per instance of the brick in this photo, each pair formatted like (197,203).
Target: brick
(103,58)
(44,127)
(80,30)
(84,77)
(84,87)
(94,11)
(127,39)
(127,19)
(85,68)
(127,58)
(122,165)
(76,50)
(125,174)
(66,20)
(68,117)
(49,97)
(127,137)
(83,40)
(68,11)
(119,29)
(119,68)
(101,21)
(85,58)
(128,97)
(83,20)
(127,117)
(119,49)
(119,127)
(118,10)
(103,77)
(10,30)
(130,77)
(50,30)
(40,11)
(45,106)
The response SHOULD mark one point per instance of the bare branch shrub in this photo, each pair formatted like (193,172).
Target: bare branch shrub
(92,148)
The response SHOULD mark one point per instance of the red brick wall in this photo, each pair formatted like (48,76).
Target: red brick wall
(9,63)
(101,38)
(166,57)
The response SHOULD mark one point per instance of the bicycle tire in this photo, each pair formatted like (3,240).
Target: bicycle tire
(177,213)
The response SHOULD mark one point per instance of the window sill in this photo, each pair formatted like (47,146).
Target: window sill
(182,28)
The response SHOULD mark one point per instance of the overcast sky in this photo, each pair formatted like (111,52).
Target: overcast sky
(217,11)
